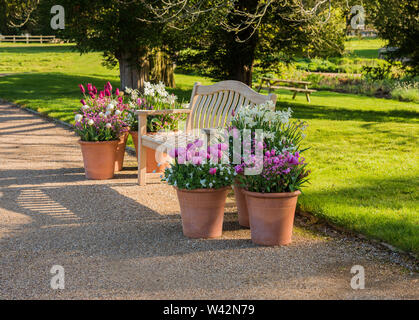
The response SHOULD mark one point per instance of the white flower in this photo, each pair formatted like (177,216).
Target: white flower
(110,107)
(101,114)
(78,117)
(108,125)
(210,184)
(90,122)
(85,107)
(203,182)
(107,113)
(117,112)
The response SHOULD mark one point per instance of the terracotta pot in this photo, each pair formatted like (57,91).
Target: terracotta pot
(151,156)
(271,216)
(134,136)
(99,159)
(202,211)
(241,206)
(120,152)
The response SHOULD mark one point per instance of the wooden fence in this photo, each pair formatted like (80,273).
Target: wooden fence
(28,38)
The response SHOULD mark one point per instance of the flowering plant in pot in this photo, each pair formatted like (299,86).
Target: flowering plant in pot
(100,129)
(271,196)
(154,97)
(279,133)
(202,183)
(107,103)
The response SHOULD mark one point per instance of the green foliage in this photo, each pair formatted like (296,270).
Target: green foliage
(397,22)
(406,91)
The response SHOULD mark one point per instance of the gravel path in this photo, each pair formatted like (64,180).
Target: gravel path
(118,240)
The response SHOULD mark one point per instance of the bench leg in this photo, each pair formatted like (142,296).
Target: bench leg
(142,165)
(295,93)
(308,97)
(142,155)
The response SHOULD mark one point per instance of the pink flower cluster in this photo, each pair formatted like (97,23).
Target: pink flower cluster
(92,93)
(196,155)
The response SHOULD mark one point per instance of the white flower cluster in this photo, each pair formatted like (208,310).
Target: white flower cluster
(251,116)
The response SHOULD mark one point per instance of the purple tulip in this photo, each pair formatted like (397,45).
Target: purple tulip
(82,89)
(82,102)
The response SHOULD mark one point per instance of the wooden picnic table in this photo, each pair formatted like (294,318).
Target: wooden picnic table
(272,84)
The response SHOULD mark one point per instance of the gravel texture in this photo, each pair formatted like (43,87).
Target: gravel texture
(118,240)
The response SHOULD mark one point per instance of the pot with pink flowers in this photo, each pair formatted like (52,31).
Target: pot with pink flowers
(271,196)
(100,126)
(202,184)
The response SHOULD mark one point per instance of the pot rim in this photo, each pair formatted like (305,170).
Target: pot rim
(99,142)
(202,190)
(271,195)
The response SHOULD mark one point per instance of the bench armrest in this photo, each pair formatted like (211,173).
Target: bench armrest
(160,112)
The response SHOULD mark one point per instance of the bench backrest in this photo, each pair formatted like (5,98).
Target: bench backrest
(212,105)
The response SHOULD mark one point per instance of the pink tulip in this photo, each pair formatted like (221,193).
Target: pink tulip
(101,94)
(117,91)
(108,86)
(82,88)
(89,87)
(82,102)
(107,93)
(120,99)
(212,171)
(94,90)
(92,95)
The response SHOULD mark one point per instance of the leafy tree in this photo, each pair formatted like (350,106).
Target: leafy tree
(398,22)
(232,37)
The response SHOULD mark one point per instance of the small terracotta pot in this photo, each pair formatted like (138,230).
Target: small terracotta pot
(202,211)
(241,206)
(120,152)
(99,159)
(271,216)
(151,156)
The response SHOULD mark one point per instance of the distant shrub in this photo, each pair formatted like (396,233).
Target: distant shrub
(407,91)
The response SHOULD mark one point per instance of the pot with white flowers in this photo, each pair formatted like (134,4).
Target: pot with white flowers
(202,184)
(271,196)
(154,97)
(261,117)
(99,138)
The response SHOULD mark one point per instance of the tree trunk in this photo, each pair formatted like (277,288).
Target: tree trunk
(162,68)
(133,73)
(242,54)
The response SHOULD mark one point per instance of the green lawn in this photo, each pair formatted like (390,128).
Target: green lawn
(364,48)
(363,156)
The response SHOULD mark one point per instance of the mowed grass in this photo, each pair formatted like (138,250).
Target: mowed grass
(363,156)
(364,48)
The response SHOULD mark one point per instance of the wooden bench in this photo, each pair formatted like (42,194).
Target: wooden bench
(272,84)
(210,108)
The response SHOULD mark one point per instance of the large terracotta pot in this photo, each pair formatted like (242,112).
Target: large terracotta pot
(120,152)
(271,216)
(241,206)
(152,165)
(99,159)
(202,211)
